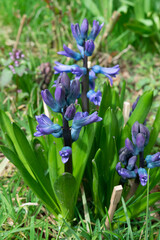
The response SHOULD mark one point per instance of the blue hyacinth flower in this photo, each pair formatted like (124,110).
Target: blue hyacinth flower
(95,97)
(125,173)
(65,153)
(46,127)
(77,34)
(82,119)
(143,176)
(95,30)
(50,101)
(92,77)
(153,160)
(75,69)
(70,53)
(108,72)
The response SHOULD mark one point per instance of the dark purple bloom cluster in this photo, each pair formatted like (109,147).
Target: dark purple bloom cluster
(16,57)
(66,93)
(128,154)
(85,44)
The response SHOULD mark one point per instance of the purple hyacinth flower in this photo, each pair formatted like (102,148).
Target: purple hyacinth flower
(59,68)
(153,160)
(143,176)
(74,91)
(131,163)
(77,34)
(60,95)
(65,153)
(95,30)
(84,28)
(75,69)
(125,173)
(129,145)
(70,53)
(108,72)
(81,49)
(70,112)
(49,100)
(46,127)
(124,155)
(82,119)
(134,106)
(89,48)
(79,72)
(92,77)
(140,135)
(95,97)
(64,80)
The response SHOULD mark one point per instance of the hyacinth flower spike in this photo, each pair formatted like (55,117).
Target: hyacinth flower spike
(108,72)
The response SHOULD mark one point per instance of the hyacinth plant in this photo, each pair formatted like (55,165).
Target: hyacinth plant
(74,138)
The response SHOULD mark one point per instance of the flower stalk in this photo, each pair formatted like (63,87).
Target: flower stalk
(67,142)
(85,86)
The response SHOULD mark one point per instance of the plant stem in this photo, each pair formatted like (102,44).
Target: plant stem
(67,142)
(133,189)
(85,86)
(141,157)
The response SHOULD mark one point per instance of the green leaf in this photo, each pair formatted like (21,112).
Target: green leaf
(106,99)
(31,182)
(92,7)
(154,133)
(37,165)
(64,188)
(122,94)
(52,164)
(137,207)
(6,77)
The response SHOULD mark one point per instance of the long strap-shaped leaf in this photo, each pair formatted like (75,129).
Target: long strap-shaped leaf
(34,163)
(34,185)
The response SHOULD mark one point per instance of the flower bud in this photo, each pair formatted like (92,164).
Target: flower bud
(64,80)
(60,95)
(131,163)
(140,142)
(124,155)
(129,145)
(65,153)
(74,91)
(89,48)
(84,28)
(70,112)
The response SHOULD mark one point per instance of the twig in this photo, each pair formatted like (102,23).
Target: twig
(116,58)
(115,198)
(19,32)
